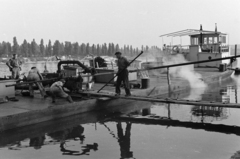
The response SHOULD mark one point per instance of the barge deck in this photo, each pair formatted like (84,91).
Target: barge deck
(28,111)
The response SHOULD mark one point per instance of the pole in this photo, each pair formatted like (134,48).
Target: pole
(187,63)
(173,101)
(235,50)
(119,72)
(169,83)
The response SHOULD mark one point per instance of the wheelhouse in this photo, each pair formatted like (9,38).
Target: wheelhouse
(203,45)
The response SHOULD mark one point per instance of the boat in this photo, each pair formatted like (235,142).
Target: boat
(204,45)
(20,110)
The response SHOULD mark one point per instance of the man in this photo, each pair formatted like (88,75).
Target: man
(122,64)
(34,75)
(14,65)
(56,90)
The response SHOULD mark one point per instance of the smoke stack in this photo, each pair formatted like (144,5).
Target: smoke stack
(215,27)
(200,27)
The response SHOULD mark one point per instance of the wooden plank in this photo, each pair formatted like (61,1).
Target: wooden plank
(167,100)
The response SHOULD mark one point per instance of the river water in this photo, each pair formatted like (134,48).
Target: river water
(153,131)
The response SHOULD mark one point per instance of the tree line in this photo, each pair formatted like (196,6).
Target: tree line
(32,49)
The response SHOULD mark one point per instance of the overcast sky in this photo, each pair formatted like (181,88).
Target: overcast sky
(131,22)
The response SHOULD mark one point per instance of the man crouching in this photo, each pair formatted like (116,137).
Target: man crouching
(56,90)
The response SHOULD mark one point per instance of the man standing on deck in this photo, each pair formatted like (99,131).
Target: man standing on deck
(14,65)
(35,75)
(56,90)
(122,64)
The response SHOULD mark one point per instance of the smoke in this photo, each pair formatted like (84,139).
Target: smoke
(186,72)
(236,78)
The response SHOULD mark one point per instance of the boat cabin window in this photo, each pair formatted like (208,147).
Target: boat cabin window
(223,39)
(194,41)
(215,40)
(210,40)
(205,40)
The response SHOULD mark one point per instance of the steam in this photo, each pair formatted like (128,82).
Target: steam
(186,72)
(234,77)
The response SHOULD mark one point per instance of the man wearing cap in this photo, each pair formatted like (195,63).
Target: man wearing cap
(14,65)
(122,64)
(56,90)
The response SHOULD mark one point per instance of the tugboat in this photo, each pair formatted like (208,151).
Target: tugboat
(204,45)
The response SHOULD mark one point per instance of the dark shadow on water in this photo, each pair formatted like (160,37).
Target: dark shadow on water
(164,121)
(74,133)
(124,140)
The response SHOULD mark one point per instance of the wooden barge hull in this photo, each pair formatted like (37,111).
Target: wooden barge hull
(32,111)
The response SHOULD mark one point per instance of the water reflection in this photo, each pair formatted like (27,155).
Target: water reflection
(72,138)
(124,140)
(74,133)
(207,114)
(37,142)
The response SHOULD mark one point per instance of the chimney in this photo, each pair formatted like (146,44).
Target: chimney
(215,27)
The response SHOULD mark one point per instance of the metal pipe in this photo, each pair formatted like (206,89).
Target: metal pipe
(168,100)
(187,63)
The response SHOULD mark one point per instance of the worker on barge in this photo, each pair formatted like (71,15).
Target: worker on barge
(14,65)
(56,90)
(35,75)
(122,73)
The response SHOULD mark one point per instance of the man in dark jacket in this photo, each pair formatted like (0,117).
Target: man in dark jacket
(122,64)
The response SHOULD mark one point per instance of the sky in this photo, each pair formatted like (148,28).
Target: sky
(123,22)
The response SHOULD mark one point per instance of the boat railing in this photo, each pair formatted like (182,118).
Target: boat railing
(172,49)
(215,48)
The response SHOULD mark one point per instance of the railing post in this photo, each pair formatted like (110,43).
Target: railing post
(169,82)
(169,111)
(235,50)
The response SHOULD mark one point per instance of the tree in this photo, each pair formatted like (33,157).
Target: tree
(76,49)
(42,48)
(49,48)
(93,49)
(127,49)
(113,49)
(1,50)
(87,49)
(142,48)
(109,49)
(25,48)
(124,49)
(98,50)
(35,48)
(104,49)
(16,49)
(131,50)
(6,49)
(56,48)
(61,49)
(68,48)
(30,54)
(117,48)
(83,49)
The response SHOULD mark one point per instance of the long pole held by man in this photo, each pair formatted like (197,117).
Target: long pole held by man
(122,74)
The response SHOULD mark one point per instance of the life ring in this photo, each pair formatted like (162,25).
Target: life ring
(175,49)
